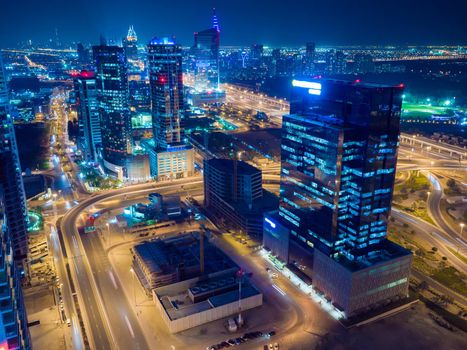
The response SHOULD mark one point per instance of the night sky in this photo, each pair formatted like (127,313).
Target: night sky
(243,22)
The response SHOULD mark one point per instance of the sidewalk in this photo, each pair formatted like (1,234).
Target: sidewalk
(50,334)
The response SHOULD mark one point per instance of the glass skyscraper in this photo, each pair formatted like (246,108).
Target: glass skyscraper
(169,154)
(90,138)
(11,181)
(14,332)
(114,112)
(206,52)
(166,79)
(339,154)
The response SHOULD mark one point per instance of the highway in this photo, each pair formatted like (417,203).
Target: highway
(294,311)
(434,209)
(109,318)
(107,324)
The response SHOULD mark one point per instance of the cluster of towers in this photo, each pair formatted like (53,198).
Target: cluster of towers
(104,112)
(14,333)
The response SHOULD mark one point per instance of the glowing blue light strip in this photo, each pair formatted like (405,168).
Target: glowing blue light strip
(314,92)
(273,224)
(306,84)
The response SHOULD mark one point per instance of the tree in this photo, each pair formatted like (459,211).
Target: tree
(423,285)
(451,183)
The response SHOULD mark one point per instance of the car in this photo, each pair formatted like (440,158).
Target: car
(224,344)
(231,342)
(271,347)
(276,346)
(214,347)
(272,333)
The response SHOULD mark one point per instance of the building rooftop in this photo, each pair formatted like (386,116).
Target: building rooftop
(166,256)
(227,166)
(178,302)
(386,250)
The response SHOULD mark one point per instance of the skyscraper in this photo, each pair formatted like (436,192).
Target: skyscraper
(335,62)
(130,44)
(363,63)
(114,112)
(83,54)
(11,181)
(166,79)
(14,332)
(170,156)
(206,52)
(339,153)
(90,138)
(309,59)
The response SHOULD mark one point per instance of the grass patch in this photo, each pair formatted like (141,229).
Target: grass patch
(421,213)
(460,256)
(419,264)
(451,278)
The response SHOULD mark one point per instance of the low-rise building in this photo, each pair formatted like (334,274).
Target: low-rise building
(194,302)
(162,262)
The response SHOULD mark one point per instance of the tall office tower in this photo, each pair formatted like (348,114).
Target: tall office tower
(11,180)
(233,193)
(166,79)
(170,156)
(309,59)
(206,52)
(130,44)
(114,112)
(363,63)
(83,54)
(339,153)
(90,138)
(14,332)
(257,51)
(335,62)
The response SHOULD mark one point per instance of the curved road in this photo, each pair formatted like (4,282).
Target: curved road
(109,326)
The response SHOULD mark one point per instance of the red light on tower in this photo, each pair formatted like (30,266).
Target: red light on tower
(357,81)
(87,74)
(401,85)
(162,79)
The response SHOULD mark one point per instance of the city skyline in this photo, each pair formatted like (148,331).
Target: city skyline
(162,187)
(403,23)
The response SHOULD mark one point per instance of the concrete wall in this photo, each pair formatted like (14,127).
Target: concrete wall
(210,315)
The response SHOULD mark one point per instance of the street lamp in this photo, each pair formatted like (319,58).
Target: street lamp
(462,228)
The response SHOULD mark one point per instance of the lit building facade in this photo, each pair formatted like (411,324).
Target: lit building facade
(339,154)
(90,138)
(14,332)
(309,59)
(114,112)
(206,89)
(233,193)
(170,155)
(11,181)
(130,44)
